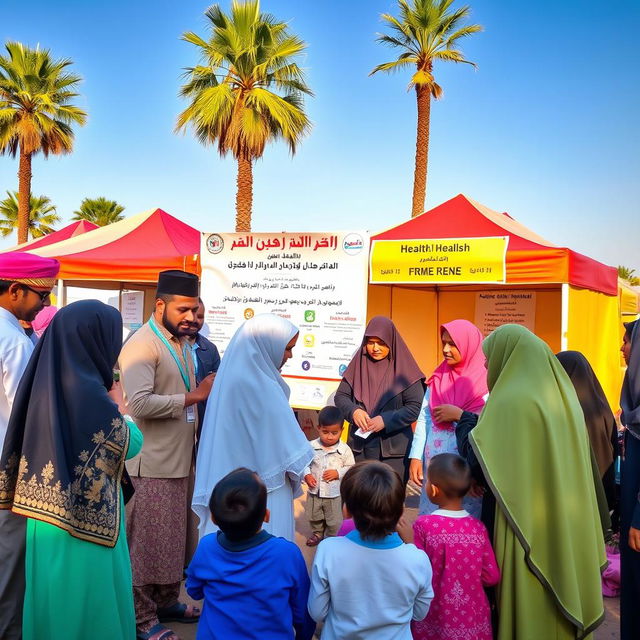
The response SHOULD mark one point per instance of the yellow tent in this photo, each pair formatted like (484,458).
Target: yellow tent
(502,272)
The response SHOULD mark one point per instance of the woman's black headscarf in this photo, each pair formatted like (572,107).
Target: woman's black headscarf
(601,424)
(66,441)
(630,397)
(375,382)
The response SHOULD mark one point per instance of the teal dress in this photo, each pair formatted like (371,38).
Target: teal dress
(77,589)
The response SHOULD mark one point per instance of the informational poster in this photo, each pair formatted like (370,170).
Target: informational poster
(495,308)
(439,261)
(132,308)
(318,281)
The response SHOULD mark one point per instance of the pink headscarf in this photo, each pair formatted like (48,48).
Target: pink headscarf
(43,319)
(464,385)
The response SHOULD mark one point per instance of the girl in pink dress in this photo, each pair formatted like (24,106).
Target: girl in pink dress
(461,556)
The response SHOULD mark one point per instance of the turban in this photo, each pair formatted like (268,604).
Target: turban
(29,269)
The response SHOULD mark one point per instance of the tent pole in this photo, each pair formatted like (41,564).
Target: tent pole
(564,322)
(62,293)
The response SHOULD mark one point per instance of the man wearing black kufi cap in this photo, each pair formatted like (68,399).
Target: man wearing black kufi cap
(160,391)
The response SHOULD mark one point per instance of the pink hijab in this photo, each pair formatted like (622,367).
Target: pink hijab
(43,319)
(464,385)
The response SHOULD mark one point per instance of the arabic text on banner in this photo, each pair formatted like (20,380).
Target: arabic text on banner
(318,281)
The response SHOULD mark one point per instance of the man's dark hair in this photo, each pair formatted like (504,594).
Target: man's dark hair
(165,297)
(4,286)
(450,473)
(330,416)
(374,496)
(238,504)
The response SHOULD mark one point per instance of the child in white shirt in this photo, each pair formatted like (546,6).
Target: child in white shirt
(369,584)
(332,459)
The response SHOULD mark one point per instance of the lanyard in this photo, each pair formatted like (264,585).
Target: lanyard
(183,373)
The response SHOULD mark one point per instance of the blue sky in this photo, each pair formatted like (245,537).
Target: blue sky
(546,128)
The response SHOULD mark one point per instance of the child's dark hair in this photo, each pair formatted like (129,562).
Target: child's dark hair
(450,473)
(330,416)
(238,504)
(374,496)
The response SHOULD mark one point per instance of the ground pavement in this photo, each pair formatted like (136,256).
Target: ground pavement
(609,630)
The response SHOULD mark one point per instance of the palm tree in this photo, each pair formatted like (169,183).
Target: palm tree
(35,113)
(42,215)
(426,31)
(625,273)
(100,211)
(247,92)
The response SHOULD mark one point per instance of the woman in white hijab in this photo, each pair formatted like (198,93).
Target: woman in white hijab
(249,423)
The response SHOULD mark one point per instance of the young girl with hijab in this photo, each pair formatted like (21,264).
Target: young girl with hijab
(531,444)
(460,381)
(601,423)
(630,488)
(62,467)
(380,396)
(249,423)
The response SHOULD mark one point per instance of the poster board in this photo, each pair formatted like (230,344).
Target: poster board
(132,308)
(495,308)
(440,261)
(318,281)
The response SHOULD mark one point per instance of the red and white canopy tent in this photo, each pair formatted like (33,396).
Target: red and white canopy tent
(125,255)
(70,231)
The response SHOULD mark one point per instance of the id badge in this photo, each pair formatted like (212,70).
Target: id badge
(191,413)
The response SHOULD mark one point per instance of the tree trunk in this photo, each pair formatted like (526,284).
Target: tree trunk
(244,195)
(24,196)
(422,151)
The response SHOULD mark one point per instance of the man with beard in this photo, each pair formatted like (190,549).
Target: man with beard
(25,285)
(160,391)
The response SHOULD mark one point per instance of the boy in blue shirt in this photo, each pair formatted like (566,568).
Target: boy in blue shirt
(255,586)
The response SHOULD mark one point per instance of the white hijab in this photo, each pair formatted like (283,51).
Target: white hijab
(248,421)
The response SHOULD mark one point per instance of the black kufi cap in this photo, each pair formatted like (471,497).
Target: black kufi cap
(178,283)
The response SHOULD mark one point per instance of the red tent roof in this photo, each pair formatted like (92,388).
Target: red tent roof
(135,249)
(530,258)
(70,231)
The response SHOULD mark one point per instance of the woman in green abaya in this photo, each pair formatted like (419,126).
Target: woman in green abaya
(532,445)
(62,468)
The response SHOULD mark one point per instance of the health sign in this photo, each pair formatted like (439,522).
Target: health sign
(439,261)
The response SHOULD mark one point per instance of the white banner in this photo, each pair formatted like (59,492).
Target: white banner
(318,281)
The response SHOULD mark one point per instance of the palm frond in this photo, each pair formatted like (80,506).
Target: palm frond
(39,90)
(395,65)
(260,97)
(42,215)
(427,30)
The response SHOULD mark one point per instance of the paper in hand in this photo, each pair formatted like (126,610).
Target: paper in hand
(363,434)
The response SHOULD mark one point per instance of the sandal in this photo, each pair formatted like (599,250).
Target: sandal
(158,632)
(179,612)
(313,540)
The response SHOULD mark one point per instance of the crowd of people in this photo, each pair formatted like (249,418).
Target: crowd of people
(109,453)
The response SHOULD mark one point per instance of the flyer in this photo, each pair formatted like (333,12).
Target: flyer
(318,281)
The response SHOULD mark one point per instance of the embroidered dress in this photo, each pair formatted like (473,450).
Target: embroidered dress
(77,589)
(463,564)
(430,440)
